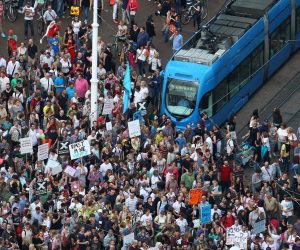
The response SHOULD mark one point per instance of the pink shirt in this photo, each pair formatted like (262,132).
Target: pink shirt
(81,86)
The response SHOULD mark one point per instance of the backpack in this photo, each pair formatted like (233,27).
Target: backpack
(287,147)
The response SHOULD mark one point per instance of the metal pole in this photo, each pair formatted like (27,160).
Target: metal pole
(94,80)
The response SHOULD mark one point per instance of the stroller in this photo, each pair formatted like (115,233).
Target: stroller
(244,156)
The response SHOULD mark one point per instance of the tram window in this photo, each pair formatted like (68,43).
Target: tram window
(298,20)
(257,59)
(280,37)
(206,104)
(233,83)
(245,71)
(220,96)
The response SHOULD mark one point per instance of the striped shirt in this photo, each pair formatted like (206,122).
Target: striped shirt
(131,204)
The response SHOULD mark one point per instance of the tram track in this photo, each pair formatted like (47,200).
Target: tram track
(287,98)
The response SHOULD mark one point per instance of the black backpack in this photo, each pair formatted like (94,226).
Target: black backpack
(287,147)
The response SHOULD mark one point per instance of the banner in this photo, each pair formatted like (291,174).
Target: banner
(236,237)
(205,214)
(230,236)
(142,106)
(53,167)
(63,148)
(79,149)
(134,128)
(40,187)
(108,106)
(43,152)
(26,145)
(108,126)
(128,239)
(259,227)
(70,171)
(195,196)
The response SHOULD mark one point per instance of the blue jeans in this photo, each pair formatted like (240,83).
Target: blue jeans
(141,66)
(85,10)
(285,165)
(166,35)
(60,8)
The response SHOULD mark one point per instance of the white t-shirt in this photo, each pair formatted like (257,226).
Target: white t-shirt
(141,55)
(76,27)
(182,225)
(145,218)
(287,205)
(104,167)
(281,134)
(144,93)
(46,83)
(3,81)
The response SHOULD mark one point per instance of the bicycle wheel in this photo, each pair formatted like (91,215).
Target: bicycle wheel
(203,13)
(40,27)
(185,18)
(11,13)
(115,50)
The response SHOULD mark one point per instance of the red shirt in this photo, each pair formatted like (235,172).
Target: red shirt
(227,221)
(225,172)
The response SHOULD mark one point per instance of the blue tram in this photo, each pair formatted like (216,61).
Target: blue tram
(223,64)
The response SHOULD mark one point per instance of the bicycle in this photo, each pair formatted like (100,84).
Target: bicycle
(189,13)
(40,10)
(10,10)
(115,46)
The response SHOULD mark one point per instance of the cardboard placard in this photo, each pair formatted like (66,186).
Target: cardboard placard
(79,149)
(26,145)
(195,196)
(134,128)
(43,152)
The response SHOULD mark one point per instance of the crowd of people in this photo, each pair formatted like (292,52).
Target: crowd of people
(131,192)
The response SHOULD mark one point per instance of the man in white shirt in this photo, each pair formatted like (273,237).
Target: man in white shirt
(267,173)
(287,207)
(12,67)
(49,15)
(28,12)
(2,62)
(46,82)
(33,133)
(214,210)
(131,202)
(106,165)
(182,224)
(35,204)
(177,205)
(3,81)
(46,59)
(75,205)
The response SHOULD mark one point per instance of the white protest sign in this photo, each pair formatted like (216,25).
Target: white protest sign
(79,149)
(43,152)
(108,106)
(26,145)
(241,240)
(259,227)
(108,126)
(70,171)
(196,223)
(134,128)
(230,236)
(128,239)
(54,167)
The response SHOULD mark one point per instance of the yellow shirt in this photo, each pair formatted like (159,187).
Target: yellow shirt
(48,111)
(284,153)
